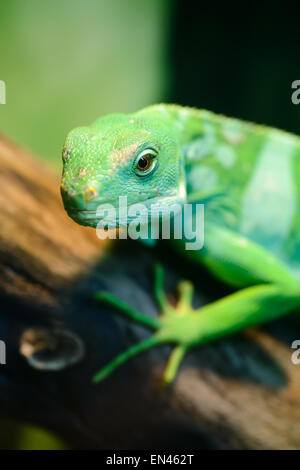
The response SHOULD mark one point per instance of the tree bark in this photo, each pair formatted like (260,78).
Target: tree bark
(240,392)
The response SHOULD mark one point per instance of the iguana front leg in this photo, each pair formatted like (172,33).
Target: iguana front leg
(278,293)
(168,328)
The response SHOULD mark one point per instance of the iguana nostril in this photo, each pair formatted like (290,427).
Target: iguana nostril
(71,193)
(90,193)
(67,192)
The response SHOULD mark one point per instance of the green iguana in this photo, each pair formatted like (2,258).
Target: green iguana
(248,177)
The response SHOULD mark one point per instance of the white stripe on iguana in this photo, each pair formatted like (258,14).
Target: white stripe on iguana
(270,200)
(226,155)
(233,131)
(203,146)
(202,178)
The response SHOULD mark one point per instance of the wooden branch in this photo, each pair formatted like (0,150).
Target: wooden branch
(241,392)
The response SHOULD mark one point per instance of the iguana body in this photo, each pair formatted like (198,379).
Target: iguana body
(250,177)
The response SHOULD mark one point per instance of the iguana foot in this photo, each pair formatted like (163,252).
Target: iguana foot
(177,325)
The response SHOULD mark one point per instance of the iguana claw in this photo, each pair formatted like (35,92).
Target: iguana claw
(174,325)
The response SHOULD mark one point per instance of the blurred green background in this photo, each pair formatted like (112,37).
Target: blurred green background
(66,62)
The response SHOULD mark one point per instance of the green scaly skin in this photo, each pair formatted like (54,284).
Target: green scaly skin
(250,177)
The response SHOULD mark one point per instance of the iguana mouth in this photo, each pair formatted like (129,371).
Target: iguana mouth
(159,198)
(80,210)
(154,207)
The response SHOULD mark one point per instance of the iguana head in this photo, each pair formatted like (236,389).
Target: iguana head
(136,155)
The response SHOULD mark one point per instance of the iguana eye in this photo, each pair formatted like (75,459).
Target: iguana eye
(145,162)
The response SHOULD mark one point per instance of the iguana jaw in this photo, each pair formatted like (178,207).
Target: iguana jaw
(121,216)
